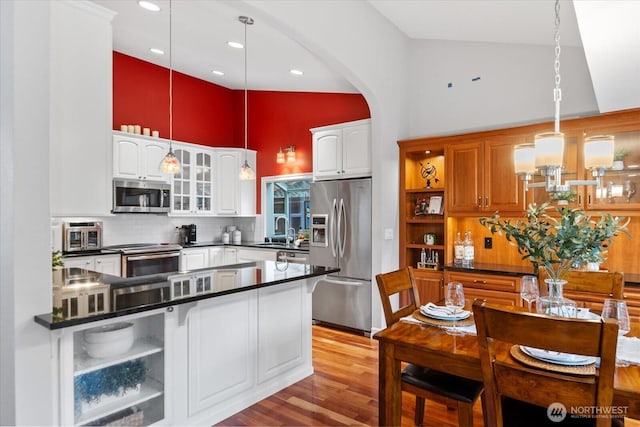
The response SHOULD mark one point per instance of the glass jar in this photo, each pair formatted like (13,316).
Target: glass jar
(554,304)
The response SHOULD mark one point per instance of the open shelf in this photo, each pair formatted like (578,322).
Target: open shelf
(83,363)
(148,390)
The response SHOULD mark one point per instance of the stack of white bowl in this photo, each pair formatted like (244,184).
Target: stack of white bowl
(109,340)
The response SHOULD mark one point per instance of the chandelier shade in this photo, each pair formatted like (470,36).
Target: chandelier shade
(598,152)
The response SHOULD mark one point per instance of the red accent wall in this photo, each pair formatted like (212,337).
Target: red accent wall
(209,114)
(202,111)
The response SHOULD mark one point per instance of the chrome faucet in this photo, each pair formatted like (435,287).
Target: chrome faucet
(286,223)
(292,238)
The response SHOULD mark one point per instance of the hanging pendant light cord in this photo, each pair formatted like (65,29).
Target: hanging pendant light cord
(170,83)
(557,93)
(246,22)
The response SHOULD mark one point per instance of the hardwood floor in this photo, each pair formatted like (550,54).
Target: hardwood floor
(342,391)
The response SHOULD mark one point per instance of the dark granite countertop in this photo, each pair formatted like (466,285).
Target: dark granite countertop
(507,270)
(124,296)
(255,245)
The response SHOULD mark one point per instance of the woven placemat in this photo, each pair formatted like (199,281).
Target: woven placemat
(437,322)
(522,357)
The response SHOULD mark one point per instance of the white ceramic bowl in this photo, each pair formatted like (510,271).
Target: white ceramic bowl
(109,340)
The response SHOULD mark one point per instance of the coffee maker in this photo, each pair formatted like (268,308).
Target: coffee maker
(188,234)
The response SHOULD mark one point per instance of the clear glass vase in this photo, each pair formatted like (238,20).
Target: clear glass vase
(554,304)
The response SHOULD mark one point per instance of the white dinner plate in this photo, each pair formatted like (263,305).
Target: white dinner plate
(557,357)
(441,315)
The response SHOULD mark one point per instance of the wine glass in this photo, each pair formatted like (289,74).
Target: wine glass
(529,289)
(617,309)
(454,300)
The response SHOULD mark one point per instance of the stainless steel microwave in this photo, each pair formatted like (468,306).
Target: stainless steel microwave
(131,196)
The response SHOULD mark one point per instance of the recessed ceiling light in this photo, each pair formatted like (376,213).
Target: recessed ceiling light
(157,51)
(149,6)
(218,73)
(296,72)
(236,45)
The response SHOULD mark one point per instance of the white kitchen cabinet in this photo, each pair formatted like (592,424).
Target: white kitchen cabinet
(342,151)
(107,264)
(216,256)
(230,255)
(284,339)
(222,358)
(240,348)
(79,380)
(234,196)
(193,186)
(136,157)
(194,258)
(80,106)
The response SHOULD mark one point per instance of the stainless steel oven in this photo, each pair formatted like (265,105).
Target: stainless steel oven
(148,259)
(140,295)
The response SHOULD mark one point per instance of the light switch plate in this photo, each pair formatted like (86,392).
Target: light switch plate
(388,234)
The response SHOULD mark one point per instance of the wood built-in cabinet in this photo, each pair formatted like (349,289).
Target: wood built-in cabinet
(494,288)
(621,185)
(421,179)
(476,177)
(481,176)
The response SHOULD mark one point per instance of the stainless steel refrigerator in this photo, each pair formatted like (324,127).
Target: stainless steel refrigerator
(341,236)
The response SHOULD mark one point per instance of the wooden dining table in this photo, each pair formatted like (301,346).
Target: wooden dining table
(432,347)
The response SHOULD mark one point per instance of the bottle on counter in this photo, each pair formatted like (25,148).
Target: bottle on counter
(423,256)
(469,250)
(458,250)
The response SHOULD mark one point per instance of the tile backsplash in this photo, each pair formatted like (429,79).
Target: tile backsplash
(150,228)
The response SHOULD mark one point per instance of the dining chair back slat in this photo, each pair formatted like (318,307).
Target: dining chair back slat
(393,283)
(499,328)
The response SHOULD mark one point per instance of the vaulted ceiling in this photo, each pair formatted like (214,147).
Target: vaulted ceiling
(607,30)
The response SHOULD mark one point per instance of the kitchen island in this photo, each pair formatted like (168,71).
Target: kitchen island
(206,343)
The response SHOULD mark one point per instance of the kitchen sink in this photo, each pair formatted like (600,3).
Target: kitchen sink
(274,244)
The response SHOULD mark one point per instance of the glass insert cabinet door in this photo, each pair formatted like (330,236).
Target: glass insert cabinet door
(621,183)
(203,181)
(182,182)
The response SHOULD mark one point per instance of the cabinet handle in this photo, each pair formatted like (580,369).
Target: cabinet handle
(579,199)
(486,202)
(589,200)
(479,281)
(480,202)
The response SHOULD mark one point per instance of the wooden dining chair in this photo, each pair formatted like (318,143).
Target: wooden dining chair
(424,383)
(591,288)
(520,394)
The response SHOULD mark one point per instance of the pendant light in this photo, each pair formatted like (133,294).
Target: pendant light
(170,163)
(246,173)
(547,155)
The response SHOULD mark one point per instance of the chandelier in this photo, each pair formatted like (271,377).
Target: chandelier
(546,155)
